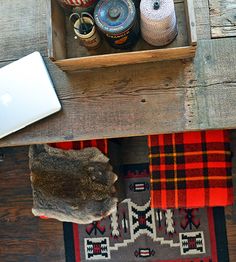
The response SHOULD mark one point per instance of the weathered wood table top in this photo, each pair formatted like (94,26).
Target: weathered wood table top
(131,100)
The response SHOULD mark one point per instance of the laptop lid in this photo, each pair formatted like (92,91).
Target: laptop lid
(26,94)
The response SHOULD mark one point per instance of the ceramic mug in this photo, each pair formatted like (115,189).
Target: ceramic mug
(78,5)
(81,3)
(85,30)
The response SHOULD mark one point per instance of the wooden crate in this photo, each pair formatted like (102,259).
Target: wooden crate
(67,53)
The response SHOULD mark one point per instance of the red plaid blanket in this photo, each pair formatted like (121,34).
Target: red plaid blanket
(191,169)
(101,144)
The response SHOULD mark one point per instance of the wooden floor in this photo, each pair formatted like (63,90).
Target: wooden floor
(26,238)
(230,212)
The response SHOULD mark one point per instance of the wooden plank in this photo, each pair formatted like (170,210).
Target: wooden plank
(222,18)
(191,22)
(24,237)
(201,9)
(215,95)
(56,32)
(24,27)
(230,212)
(142,99)
(134,150)
(137,57)
(112,103)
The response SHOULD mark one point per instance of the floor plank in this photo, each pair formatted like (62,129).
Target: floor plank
(201,8)
(230,212)
(222,18)
(22,236)
(24,26)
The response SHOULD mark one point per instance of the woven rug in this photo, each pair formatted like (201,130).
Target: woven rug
(136,232)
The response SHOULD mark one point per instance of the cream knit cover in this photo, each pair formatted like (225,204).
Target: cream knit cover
(158,27)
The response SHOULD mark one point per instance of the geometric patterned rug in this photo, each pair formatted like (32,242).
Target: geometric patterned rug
(135,232)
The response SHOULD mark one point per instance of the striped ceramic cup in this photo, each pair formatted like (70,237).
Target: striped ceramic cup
(80,3)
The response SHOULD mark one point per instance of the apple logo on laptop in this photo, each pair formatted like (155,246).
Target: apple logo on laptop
(6,99)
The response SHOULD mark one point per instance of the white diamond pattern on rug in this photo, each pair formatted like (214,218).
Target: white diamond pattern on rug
(97,248)
(192,243)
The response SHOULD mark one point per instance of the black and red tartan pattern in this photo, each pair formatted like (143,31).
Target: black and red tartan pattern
(191,169)
(101,144)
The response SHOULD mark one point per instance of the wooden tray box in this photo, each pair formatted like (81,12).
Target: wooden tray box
(69,55)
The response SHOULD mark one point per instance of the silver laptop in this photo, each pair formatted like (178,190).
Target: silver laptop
(26,94)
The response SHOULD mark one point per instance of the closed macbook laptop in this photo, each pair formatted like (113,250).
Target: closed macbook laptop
(26,94)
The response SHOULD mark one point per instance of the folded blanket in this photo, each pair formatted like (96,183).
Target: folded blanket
(191,169)
(101,144)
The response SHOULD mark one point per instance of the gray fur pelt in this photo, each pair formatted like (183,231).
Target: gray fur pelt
(71,185)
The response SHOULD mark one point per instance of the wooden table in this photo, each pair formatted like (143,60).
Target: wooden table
(116,102)
(132,100)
